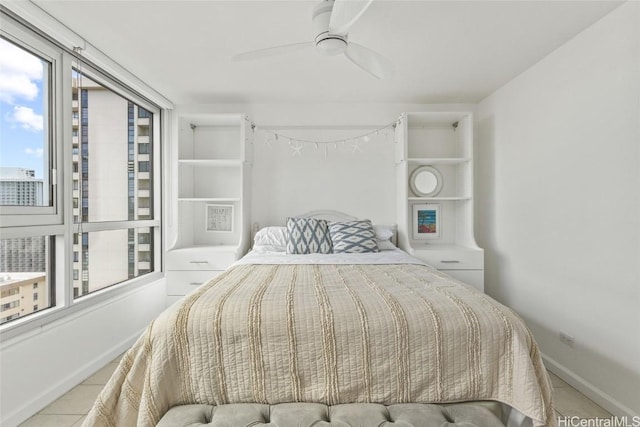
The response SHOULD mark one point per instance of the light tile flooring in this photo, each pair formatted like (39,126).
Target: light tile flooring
(71,409)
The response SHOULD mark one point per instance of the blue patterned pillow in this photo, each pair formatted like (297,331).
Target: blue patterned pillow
(353,237)
(308,236)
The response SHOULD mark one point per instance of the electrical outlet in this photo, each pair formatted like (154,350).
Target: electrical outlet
(567,339)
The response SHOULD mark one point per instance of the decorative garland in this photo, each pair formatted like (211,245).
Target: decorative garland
(296,145)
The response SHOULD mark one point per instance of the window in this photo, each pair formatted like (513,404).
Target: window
(108,135)
(9,292)
(143,130)
(28,157)
(144,256)
(106,140)
(143,166)
(144,184)
(6,319)
(109,258)
(10,305)
(26,144)
(25,264)
(105,257)
(144,238)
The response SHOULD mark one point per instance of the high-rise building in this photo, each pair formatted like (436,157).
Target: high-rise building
(19,186)
(23,254)
(22,294)
(112,151)
(23,284)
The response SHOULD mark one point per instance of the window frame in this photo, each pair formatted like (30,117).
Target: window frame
(155,224)
(22,216)
(58,221)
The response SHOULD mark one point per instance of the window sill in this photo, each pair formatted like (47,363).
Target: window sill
(21,329)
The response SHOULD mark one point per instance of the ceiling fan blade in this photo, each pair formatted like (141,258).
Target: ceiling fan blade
(370,61)
(271,51)
(345,13)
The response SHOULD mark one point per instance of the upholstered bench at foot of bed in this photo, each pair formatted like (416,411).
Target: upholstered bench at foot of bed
(480,414)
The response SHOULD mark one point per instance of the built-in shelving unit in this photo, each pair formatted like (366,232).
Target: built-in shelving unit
(213,170)
(444,141)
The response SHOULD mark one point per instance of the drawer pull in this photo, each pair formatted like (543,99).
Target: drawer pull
(450,261)
(195,283)
(198,262)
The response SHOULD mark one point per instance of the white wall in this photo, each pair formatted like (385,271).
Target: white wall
(361,183)
(558,205)
(41,365)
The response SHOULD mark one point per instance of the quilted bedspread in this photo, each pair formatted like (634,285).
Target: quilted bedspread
(329,334)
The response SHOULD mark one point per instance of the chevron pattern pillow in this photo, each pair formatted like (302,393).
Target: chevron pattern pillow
(353,237)
(308,236)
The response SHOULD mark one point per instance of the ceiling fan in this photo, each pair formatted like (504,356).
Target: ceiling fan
(332,20)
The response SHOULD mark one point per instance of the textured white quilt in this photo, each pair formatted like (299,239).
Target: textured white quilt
(329,333)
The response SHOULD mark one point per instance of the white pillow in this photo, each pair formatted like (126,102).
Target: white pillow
(383,232)
(275,238)
(385,245)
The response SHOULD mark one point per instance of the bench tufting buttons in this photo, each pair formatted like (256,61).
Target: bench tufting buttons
(268,415)
(447,416)
(388,415)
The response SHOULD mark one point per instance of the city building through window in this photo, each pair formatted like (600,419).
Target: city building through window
(108,136)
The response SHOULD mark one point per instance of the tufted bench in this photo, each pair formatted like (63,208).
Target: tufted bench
(471,414)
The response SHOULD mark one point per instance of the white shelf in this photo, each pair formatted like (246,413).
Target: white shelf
(432,139)
(209,199)
(213,166)
(440,161)
(211,162)
(442,199)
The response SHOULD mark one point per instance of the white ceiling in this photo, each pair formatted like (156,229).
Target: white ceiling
(443,51)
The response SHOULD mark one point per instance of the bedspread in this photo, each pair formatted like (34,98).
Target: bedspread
(329,334)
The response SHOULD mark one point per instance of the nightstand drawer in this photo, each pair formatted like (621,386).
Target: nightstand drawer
(183,282)
(452,259)
(199,259)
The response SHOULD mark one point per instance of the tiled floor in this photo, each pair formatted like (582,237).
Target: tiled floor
(71,409)
(571,403)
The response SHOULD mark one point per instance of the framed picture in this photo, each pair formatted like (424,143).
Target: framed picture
(426,221)
(219,218)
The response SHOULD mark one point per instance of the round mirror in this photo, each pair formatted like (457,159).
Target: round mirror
(426,181)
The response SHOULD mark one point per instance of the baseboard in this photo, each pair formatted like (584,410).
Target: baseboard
(606,401)
(46,397)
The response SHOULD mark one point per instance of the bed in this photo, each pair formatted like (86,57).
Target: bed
(329,332)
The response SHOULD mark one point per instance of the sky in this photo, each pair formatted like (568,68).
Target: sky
(22,138)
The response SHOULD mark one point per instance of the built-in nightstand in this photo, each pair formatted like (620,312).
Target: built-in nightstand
(434,163)
(465,264)
(188,268)
(210,199)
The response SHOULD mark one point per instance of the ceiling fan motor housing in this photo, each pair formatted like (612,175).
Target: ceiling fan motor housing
(326,43)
